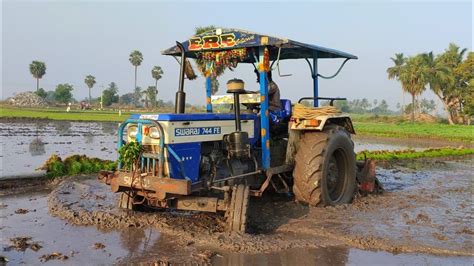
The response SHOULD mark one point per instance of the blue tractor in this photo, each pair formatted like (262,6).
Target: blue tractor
(213,162)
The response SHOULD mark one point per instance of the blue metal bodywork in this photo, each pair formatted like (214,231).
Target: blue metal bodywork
(208,94)
(183,158)
(193,117)
(254,43)
(264,115)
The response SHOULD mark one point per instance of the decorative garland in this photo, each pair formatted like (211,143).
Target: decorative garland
(216,61)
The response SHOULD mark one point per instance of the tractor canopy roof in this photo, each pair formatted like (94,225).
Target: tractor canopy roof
(228,39)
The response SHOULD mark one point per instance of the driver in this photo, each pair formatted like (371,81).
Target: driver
(273,92)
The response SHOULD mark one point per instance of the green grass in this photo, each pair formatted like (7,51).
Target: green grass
(417,130)
(412,154)
(61,114)
(57,113)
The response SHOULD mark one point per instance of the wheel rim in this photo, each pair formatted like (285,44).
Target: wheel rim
(336,175)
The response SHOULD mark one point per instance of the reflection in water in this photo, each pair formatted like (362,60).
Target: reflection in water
(62,127)
(131,239)
(40,125)
(30,144)
(301,256)
(110,128)
(37,147)
(89,137)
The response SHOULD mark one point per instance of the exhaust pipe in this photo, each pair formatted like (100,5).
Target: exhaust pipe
(180,100)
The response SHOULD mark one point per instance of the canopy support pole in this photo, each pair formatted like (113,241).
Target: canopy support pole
(180,100)
(314,75)
(264,112)
(208,94)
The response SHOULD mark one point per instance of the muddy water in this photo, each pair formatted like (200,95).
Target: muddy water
(147,244)
(425,217)
(26,145)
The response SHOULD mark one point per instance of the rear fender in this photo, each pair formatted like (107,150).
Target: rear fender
(343,121)
(321,122)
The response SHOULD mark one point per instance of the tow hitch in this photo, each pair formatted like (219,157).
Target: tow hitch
(366,178)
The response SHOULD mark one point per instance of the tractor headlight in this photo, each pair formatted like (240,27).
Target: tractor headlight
(132,132)
(154,133)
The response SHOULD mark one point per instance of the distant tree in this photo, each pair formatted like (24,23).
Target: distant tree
(110,94)
(63,94)
(38,70)
(90,81)
(464,71)
(381,108)
(426,106)
(41,93)
(151,93)
(414,78)
(136,59)
(365,104)
(394,71)
(449,75)
(453,91)
(157,74)
(50,96)
(137,96)
(126,99)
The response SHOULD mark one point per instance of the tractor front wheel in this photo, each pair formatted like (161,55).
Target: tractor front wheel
(237,212)
(325,168)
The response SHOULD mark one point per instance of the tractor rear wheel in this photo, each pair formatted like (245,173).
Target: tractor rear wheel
(325,168)
(237,212)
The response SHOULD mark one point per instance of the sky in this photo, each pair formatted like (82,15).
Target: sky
(78,38)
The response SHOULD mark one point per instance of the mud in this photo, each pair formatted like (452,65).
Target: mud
(424,217)
(427,211)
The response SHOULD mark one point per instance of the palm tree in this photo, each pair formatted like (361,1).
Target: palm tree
(437,73)
(394,71)
(413,76)
(136,59)
(156,73)
(38,70)
(137,95)
(90,81)
(445,85)
(150,94)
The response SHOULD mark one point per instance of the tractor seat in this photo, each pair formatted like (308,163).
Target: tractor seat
(286,108)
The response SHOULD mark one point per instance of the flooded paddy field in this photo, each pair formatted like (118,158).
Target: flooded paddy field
(27,145)
(424,217)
